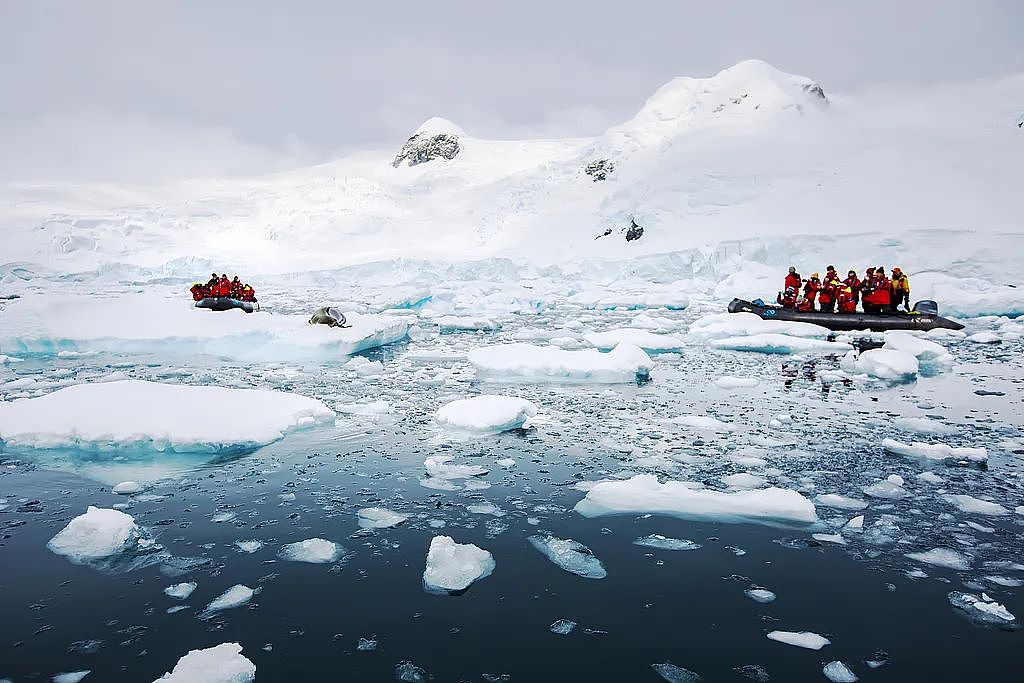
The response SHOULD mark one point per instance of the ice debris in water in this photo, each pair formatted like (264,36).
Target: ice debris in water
(486,414)
(942,557)
(365,367)
(731,382)
(884,364)
(935,451)
(570,555)
(927,352)
(454,566)
(224,663)
(366,645)
(249,546)
(806,639)
(834,500)
(644,493)
(236,596)
(438,467)
(407,672)
(675,674)
(983,609)
(890,487)
(664,543)
(126,488)
(313,550)
(71,676)
(985,338)
(562,627)
(181,591)
(719,325)
(379,518)
(924,425)
(754,672)
(760,595)
(623,364)
(837,672)
(648,341)
(704,423)
(976,506)
(221,517)
(94,535)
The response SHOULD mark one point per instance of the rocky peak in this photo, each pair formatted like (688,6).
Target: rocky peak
(436,138)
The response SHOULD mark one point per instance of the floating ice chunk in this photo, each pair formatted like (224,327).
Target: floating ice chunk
(704,423)
(366,645)
(221,517)
(927,352)
(829,538)
(71,676)
(364,367)
(663,543)
(985,338)
(486,413)
(454,566)
(837,672)
(165,417)
(924,425)
(942,557)
(221,664)
(249,546)
(313,550)
(807,639)
(485,508)
(562,627)
(236,596)
(675,674)
(856,523)
(126,488)
(885,364)
(976,506)
(570,555)
(94,535)
(507,463)
(890,487)
(644,493)
(623,364)
(455,323)
(648,341)
(364,408)
(982,609)
(437,467)
(936,451)
(929,477)
(760,595)
(721,325)
(1019,509)
(730,382)
(778,344)
(379,518)
(744,480)
(834,500)
(407,672)
(181,591)
(438,484)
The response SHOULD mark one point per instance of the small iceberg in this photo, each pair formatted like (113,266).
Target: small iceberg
(97,534)
(805,639)
(648,341)
(224,663)
(312,550)
(379,518)
(486,414)
(570,555)
(453,567)
(782,344)
(885,364)
(525,362)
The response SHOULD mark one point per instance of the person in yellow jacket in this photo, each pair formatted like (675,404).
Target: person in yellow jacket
(900,290)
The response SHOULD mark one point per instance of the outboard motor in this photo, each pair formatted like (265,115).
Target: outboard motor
(927,307)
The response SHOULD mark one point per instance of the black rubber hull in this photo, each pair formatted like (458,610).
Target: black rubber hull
(848,322)
(223,303)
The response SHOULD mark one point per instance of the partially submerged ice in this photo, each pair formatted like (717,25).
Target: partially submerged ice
(935,451)
(983,609)
(233,597)
(723,325)
(644,493)
(570,555)
(157,416)
(804,639)
(885,364)
(97,534)
(312,550)
(455,566)
(223,663)
(526,362)
(783,344)
(379,518)
(646,340)
(488,414)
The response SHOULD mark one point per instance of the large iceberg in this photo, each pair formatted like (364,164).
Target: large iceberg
(157,416)
(624,363)
(224,663)
(454,566)
(486,414)
(644,493)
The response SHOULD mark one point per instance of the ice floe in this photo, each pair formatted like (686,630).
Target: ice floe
(976,506)
(838,672)
(233,597)
(379,518)
(454,566)
(562,627)
(455,323)
(675,674)
(760,595)
(648,341)
(935,451)
(722,325)
(942,557)
(985,338)
(779,344)
(805,639)
(924,425)
(164,417)
(440,467)
(644,493)
(927,352)
(663,543)
(486,413)
(704,423)
(890,487)
(180,591)
(223,663)
(97,534)
(312,550)
(983,609)
(570,555)
(884,364)
(730,382)
(526,362)
(834,500)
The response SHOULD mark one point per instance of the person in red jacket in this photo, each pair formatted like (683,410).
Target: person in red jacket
(235,288)
(198,292)
(248,293)
(804,304)
(223,286)
(787,299)
(867,289)
(883,289)
(792,280)
(829,291)
(811,289)
(847,300)
(853,283)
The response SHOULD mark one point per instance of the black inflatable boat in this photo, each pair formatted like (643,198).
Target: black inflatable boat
(924,317)
(223,303)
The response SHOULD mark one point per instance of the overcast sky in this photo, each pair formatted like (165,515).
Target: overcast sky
(149,90)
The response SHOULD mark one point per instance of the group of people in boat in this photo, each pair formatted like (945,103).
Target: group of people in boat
(221,286)
(876,293)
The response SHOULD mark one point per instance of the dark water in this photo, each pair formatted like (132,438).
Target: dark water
(685,607)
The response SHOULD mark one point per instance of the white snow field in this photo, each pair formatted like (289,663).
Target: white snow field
(94,535)
(486,414)
(154,323)
(643,493)
(455,566)
(158,416)
(526,362)
(935,451)
(223,663)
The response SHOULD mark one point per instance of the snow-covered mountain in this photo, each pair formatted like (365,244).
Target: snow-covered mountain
(751,157)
